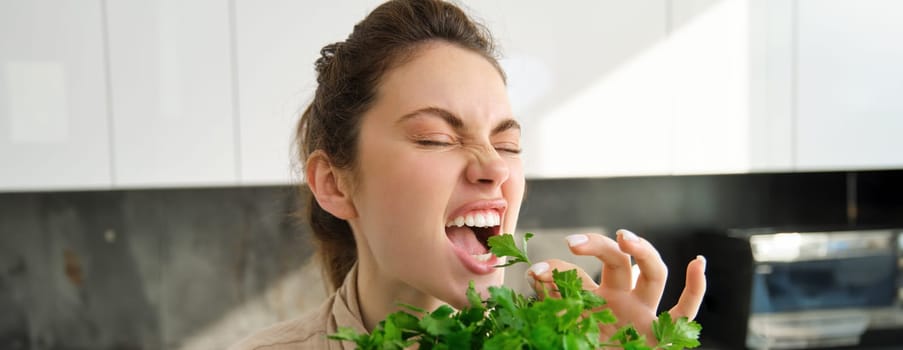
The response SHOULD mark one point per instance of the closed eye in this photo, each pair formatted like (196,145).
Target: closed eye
(435,140)
(433,143)
(510,148)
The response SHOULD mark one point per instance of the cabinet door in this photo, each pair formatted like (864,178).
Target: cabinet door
(53,96)
(276,47)
(710,78)
(850,83)
(771,49)
(172,93)
(585,81)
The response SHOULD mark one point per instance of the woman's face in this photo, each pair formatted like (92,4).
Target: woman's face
(438,172)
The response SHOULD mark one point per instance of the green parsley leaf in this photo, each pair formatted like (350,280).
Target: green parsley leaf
(629,338)
(438,323)
(679,334)
(569,285)
(347,333)
(503,245)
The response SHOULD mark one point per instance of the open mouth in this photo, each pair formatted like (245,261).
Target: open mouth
(470,233)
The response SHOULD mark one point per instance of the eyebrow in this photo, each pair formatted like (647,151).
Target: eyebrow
(455,122)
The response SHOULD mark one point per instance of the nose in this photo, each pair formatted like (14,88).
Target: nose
(488,168)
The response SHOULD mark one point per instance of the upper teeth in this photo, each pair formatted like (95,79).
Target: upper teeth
(480,219)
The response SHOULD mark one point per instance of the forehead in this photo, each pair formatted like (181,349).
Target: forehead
(447,76)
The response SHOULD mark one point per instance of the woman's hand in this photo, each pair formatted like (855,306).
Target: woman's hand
(631,304)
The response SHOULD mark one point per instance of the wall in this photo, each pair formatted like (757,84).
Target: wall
(199,268)
(149,269)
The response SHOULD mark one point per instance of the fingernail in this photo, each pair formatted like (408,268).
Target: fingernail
(702,259)
(628,236)
(575,240)
(539,268)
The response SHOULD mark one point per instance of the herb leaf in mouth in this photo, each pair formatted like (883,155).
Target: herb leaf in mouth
(503,245)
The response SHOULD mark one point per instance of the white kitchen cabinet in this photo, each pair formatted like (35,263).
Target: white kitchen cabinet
(173,105)
(585,81)
(709,78)
(849,84)
(54,131)
(276,46)
(732,83)
(202,92)
(771,119)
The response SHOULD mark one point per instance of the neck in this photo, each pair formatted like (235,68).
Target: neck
(379,295)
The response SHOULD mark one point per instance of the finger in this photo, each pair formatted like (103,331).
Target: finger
(653,272)
(615,263)
(542,272)
(543,289)
(691,298)
(535,277)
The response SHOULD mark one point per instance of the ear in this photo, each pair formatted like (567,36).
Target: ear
(329,187)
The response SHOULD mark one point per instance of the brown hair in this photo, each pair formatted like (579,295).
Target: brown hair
(348,73)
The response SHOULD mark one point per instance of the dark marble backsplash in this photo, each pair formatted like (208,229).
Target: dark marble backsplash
(200,268)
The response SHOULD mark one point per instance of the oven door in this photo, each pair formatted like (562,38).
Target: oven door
(821,289)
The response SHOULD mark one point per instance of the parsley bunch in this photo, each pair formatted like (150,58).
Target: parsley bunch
(508,320)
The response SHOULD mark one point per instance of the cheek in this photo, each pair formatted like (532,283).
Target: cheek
(516,183)
(401,206)
(409,176)
(404,191)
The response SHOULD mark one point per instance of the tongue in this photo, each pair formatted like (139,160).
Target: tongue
(463,237)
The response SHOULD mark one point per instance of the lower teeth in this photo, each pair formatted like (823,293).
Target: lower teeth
(482,257)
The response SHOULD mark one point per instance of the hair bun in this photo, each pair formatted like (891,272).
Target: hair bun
(327,58)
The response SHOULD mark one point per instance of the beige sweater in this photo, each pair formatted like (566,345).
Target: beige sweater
(309,332)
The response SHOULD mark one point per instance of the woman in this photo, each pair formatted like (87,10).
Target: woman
(411,154)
